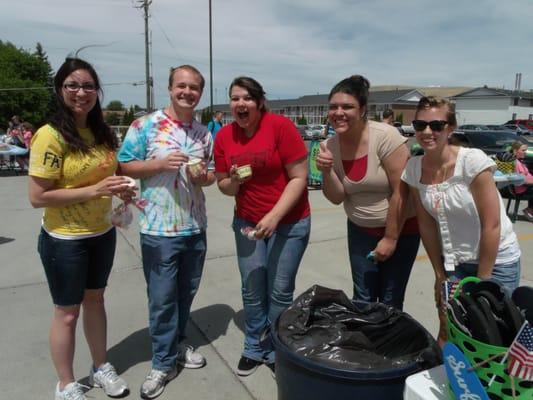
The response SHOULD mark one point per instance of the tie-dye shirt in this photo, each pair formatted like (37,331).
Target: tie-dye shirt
(176,207)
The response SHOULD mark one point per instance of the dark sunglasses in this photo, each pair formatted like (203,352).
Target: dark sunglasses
(436,125)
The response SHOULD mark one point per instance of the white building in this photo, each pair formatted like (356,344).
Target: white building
(484,105)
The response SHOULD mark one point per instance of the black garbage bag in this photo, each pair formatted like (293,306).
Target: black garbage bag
(324,325)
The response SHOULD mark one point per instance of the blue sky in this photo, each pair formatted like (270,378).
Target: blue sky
(293,47)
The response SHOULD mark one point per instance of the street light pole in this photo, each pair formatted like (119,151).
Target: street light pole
(91,45)
(210,61)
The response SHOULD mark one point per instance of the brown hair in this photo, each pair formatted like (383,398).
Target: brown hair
(254,88)
(357,86)
(189,68)
(516,146)
(428,102)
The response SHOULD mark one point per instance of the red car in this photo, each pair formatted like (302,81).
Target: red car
(528,123)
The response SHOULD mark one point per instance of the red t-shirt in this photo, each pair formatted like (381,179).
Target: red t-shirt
(275,144)
(355,169)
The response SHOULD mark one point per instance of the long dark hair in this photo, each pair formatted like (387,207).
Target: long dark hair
(63,120)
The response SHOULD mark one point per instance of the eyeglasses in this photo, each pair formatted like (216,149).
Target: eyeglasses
(436,125)
(74,87)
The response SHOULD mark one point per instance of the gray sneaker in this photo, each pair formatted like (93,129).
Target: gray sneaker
(72,391)
(106,378)
(189,358)
(155,382)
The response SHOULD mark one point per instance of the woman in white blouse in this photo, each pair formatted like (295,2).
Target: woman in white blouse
(461,217)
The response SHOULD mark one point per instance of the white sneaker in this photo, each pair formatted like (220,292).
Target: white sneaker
(155,382)
(106,378)
(189,358)
(72,391)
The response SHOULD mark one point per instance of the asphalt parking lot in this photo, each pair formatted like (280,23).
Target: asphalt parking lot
(217,317)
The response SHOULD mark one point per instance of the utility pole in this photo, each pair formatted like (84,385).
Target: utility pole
(210,61)
(145,4)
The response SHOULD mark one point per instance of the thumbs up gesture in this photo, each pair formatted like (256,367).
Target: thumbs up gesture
(324,159)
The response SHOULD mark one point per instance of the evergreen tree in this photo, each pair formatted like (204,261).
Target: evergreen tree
(25,84)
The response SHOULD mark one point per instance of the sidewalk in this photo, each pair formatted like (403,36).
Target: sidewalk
(217,317)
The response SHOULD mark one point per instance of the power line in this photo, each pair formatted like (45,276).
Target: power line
(165,34)
(27,88)
(140,83)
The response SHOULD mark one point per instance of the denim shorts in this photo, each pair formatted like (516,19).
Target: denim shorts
(506,275)
(71,266)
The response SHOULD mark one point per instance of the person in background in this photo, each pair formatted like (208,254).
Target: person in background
(462,220)
(14,130)
(158,149)
(388,117)
(214,125)
(361,167)
(71,175)
(16,138)
(27,134)
(519,151)
(261,160)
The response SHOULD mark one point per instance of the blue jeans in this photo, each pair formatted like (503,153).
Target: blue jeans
(172,268)
(385,281)
(507,275)
(268,270)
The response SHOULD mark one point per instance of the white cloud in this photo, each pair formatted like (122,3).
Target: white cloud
(293,48)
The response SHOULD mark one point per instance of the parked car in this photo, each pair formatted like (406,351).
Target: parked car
(519,129)
(315,131)
(499,128)
(408,130)
(303,131)
(528,123)
(398,125)
(491,142)
(473,127)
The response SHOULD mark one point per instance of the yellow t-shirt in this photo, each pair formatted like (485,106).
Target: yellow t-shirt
(50,158)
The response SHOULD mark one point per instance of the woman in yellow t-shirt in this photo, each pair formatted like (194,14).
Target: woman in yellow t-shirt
(71,175)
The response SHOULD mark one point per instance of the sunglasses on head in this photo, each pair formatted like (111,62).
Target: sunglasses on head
(436,125)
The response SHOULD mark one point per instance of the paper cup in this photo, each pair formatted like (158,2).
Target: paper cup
(195,167)
(244,171)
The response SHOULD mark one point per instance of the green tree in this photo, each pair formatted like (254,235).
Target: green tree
(25,84)
(302,120)
(129,116)
(112,118)
(399,118)
(41,55)
(207,116)
(115,105)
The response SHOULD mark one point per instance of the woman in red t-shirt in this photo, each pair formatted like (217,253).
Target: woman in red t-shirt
(261,160)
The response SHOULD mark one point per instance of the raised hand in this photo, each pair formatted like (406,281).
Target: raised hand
(324,159)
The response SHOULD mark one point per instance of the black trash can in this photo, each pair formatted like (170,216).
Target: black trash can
(328,347)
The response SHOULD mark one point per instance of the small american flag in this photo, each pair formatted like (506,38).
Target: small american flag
(521,354)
